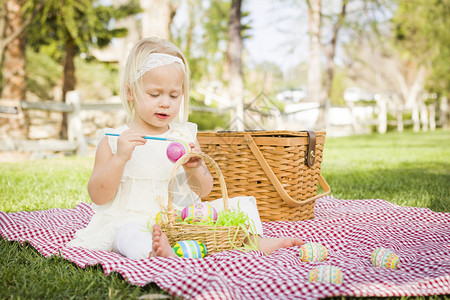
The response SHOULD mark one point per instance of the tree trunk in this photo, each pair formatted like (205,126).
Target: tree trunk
(68,80)
(413,98)
(126,43)
(14,72)
(399,118)
(234,58)
(3,36)
(322,120)
(423,116)
(411,90)
(157,17)
(190,31)
(443,113)
(315,92)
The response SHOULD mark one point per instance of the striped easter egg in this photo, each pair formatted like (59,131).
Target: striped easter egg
(190,249)
(199,212)
(326,274)
(160,219)
(313,252)
(384,258)
(176,150)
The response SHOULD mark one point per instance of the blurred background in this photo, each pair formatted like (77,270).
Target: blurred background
(343,66)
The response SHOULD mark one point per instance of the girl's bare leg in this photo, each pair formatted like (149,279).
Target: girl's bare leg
(270,245)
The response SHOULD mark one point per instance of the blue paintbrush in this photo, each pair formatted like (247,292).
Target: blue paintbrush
(174,151)
(150,138)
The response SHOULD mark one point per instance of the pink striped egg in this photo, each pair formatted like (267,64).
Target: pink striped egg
(176,150)
(199,212)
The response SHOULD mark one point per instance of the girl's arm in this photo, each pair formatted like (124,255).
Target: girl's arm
(108,167)
(197,173)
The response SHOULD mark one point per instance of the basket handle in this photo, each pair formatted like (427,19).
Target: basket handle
(274,180)
(182,160)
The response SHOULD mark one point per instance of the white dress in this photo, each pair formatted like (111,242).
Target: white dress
(124,224)
(145,180)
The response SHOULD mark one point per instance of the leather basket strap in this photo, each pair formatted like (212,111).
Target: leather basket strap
(311,152)
(274,179)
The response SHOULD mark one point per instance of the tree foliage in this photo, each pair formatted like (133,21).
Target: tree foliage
(422,31)
(88,23)
(203,37)
(74,26)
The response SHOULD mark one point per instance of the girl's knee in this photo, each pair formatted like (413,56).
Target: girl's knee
(133,241)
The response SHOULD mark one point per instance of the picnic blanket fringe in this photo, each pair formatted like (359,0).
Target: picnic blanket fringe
(350,229)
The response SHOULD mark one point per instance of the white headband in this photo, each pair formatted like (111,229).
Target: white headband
(155,60)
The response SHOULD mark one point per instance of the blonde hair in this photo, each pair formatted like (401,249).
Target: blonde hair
(135,59)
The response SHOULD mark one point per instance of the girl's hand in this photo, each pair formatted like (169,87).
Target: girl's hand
(197,173)
(194,162)
(126,143)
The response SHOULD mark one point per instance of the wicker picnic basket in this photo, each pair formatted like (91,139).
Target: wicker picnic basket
(215,238)
(281,169)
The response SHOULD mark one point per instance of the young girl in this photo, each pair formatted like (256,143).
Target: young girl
(129,181)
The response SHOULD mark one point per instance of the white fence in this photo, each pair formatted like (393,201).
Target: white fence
(76,142)
(344,120)
(358,119)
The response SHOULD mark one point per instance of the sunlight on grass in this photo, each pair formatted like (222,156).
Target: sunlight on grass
(410,169)
(43,184)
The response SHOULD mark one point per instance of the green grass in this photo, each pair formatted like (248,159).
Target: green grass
(410,169)
(26,274)
(43,184)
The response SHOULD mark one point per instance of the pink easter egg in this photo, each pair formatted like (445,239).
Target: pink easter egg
(176,150)
(199,212)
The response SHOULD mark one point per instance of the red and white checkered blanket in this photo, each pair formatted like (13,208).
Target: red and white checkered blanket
(350,229)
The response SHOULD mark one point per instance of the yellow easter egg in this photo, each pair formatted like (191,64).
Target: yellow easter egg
(163,219)
(313,252)
(326,274)
(190,249)
(384,258)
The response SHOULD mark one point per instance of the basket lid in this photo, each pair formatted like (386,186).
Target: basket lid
(268,133)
